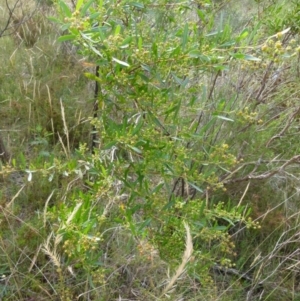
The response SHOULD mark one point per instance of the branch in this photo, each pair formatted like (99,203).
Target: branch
(10,16)
(288,124)
(266,175)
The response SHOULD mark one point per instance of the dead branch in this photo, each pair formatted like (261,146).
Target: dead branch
(14,22)
(10,17)
(263,176)
(288,124)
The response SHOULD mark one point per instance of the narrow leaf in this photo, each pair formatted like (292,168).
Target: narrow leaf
(120,62)
(65,8)
(138,126)
(86,7)
(238,55)
(94,16)
(79,4)
(66,38)
(118,29)
(154,50)
(95,50)
(196,187)
(157,188)
(126,42)
(194,53)
(214,33)
(251,58)
(227,44)
(244,34)
(54,20)
(110,145)
(140,43)
(138,5)
(185,35)
(135,149)
(225,118)
(201,15)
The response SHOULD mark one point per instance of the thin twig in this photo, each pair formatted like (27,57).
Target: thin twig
(266,175)
(288,124)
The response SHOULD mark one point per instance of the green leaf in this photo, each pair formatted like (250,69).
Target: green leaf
(203,205)
(172,109)
(143,143)
(207,126)
(100,4)
(154,50)
(146,67)
(169,168)
(140,43)
(195,53)
(201,15)
(86,7)
(135,149)
(224,118)
(145,224)
(175,51)
(95,50)
(238,55)
(155,120)
(67,38)
(66,27)
(78,213)
(92,76)
(220,228)
(157,188)
(110,144)
(79,4)
(138,126)
(185,36)
(178,80)
(137,5)
(196,187)
(118,29)
(205,58)
(120,62)
(144,77)
(244,34)
(54,20)
(227,220)
(94,16)
(221,105)
(214,33)
(65,8)
(251,58)
(227,44)
(221,67)
(127,41)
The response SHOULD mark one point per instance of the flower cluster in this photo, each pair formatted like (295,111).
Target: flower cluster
(246,116)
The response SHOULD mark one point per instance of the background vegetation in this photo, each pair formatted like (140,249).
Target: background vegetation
(149,150)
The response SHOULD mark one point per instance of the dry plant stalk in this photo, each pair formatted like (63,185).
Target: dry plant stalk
(53,255)
(66,130)
(185,259)
(4,155)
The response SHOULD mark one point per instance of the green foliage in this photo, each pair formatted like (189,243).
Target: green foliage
(158,139)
